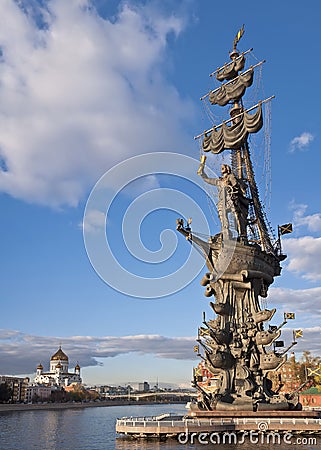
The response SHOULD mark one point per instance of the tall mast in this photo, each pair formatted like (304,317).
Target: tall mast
(243,168)
(237,160)
(235,137)
(259,219)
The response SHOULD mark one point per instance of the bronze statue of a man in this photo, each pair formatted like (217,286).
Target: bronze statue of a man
(232,199)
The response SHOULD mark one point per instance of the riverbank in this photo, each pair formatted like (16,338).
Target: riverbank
(76,405)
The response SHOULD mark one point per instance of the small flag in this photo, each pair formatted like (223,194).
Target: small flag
(279,344)
(203,331)
(314,372)
(297,334)
(238,36)
(196,348)
(289,316)
(273,328)
(285,229)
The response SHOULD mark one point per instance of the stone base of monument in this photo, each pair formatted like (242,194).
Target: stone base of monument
(217,424)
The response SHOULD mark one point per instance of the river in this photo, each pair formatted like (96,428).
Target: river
(94,429)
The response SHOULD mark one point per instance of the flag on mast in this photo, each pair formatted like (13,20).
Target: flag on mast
(314,372)
(238,36)
(297,334)
(288,316)
(285,229)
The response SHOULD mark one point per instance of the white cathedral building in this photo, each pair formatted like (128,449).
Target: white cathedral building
(58,374)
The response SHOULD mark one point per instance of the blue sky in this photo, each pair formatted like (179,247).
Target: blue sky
(85,86)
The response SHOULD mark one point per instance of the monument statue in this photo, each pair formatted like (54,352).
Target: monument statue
(238,346)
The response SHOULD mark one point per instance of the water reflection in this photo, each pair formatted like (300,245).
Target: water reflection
(94,429)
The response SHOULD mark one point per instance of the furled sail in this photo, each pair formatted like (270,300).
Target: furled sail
(233,90)
(231,70)
(233,136)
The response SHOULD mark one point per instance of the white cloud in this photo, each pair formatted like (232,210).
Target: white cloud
(312,221)
(20,353)
(304,256)
(310,340)
(301,142)
(304,253)
(81,94)
(95,220)
(305,302)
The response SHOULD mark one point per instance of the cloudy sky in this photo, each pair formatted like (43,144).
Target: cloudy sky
(86,88)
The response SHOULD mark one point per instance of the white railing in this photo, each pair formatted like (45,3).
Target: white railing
(186,422)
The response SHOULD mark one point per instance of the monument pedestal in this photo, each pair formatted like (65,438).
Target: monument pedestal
(216,424)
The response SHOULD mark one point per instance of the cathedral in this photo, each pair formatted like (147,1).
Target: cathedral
(58,374)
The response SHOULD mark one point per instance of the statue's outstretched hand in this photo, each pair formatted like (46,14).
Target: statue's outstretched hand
(201,170)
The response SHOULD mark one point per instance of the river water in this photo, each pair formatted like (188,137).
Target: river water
(94,429)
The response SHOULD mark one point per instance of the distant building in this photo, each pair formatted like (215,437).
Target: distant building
(209,381)
(286,379)
(289,376)
(37,393)
(109,391)
(58,374)
(140,386)
(143,387)
(17,385)
(311,397)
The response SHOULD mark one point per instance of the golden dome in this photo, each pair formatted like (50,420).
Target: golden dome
(77,367)
(39,367)
(59,356)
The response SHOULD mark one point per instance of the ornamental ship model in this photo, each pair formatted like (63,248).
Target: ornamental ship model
(239,348)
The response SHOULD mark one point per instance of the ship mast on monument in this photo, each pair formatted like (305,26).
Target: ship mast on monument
(238,344)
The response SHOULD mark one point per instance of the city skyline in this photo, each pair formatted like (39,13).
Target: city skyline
(88,85)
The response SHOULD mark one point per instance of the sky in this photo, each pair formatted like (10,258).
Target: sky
(99,106)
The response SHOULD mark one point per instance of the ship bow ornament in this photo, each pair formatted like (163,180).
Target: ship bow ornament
(238,347)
